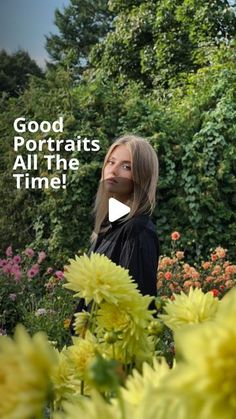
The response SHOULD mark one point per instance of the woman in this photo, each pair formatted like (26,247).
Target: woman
(129,174)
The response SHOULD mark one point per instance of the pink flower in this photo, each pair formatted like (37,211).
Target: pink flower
(3,262)
(18,275)
(175,236)
(12,297)
(15,267)
(206,265)
(33,271)
(180,255)
(49,271)
(59,274)
(29,252)
(168,275)
(188,283)
(41,257)
(15,270)
(215,292)
(6,269)
(9,252)
(17,259)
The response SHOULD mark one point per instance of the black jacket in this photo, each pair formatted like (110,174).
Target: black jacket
(134,245)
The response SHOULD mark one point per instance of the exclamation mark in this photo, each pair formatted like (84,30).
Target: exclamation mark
(63,178)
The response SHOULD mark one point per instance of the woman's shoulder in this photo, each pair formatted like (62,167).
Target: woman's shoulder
(141,224)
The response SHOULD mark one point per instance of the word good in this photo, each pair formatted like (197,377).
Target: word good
(32,126)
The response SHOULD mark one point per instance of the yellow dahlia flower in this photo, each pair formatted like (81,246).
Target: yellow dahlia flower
(25,374)
(206,378)
(196,307)
(66,384)
(94,408)
(81,354)
(130,318)
(137,383)
(143,396)
(112,317)
(98,278)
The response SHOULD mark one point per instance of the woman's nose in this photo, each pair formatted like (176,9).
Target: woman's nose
(114,169)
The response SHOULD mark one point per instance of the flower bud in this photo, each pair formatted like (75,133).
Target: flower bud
(110,337)
(159,303)
(155,327)
(102,374)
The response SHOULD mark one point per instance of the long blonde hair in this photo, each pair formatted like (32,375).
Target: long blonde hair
(144,169)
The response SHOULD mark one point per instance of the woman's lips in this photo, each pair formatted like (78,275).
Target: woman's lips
(111,180)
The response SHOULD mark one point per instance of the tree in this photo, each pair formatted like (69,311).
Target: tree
(81,25)
(157,41)
(191,124)
(15,70)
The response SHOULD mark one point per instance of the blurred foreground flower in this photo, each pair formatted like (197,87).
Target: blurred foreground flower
(137,384)
(206,379)
(95,408)
(25,369)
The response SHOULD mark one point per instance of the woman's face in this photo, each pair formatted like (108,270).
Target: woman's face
(117,174)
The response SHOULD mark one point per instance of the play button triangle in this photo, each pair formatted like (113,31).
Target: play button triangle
(116,209)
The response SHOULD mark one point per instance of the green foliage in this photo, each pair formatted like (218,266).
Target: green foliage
(159,41)
(65,221)
(208,156)
(17,209)
(163,72)
(15,70)
(45,216)
(52,314)
(81,25)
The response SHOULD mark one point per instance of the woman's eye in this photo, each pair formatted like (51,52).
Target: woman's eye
(126,167)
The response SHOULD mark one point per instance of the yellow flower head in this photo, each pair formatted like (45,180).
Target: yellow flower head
(81,354)
(130,321)
(196,307)
(25,374)
(98,278)
(112,317)
(135,340)
(89,408)
(207,375)
(81,323)
(66,385)
(137,384)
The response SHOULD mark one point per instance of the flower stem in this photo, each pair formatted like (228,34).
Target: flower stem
(82,388)
(93,316)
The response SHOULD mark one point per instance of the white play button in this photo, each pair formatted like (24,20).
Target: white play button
(116,209)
